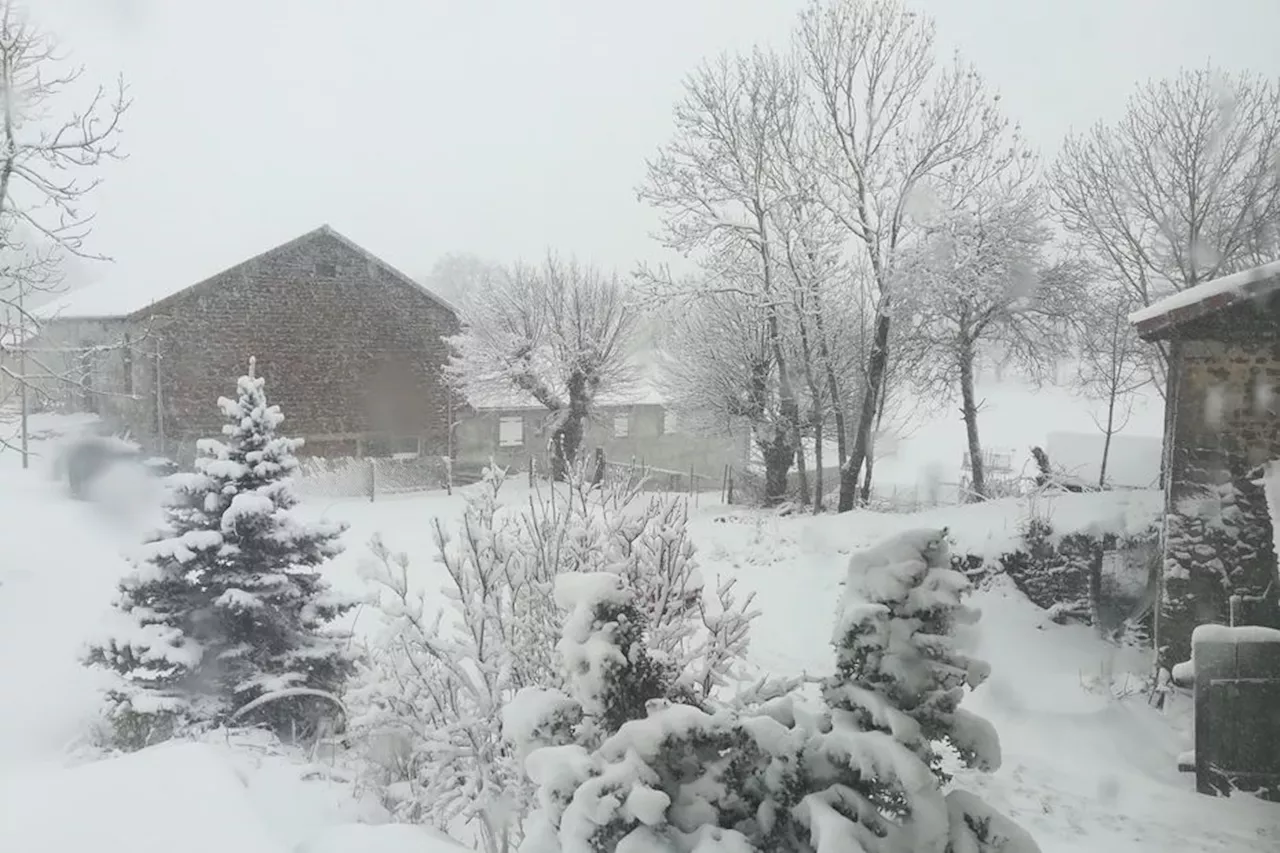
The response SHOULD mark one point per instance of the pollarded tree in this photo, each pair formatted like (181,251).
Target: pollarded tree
(561,334)
(225,611)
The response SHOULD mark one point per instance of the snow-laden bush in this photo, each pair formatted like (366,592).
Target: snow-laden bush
(858,772)
(225,612)
(428,708)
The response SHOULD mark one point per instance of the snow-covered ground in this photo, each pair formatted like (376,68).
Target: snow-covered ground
(1082,771)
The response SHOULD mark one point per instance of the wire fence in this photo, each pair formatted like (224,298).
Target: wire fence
(371,477)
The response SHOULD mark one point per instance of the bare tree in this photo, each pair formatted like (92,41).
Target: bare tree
(1183,189)
(50,151)
(888,119)
(560,333)
(716,186)
(455,274)
(983,291)
(1111,367)
(721,366)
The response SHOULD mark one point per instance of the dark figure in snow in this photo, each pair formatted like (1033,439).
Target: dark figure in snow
(86,458)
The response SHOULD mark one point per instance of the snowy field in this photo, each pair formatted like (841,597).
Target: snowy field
(1083,772)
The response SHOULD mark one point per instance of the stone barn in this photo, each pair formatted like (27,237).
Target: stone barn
(1222,429)
(351,348)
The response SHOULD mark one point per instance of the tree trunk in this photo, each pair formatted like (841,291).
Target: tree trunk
(876,366)
(566,438)
(817,466)
(969,409)
(802,473)
(1106,439)
(871,448)
(778,456)
(833,390)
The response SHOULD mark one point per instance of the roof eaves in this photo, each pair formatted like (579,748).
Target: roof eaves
(1156,320)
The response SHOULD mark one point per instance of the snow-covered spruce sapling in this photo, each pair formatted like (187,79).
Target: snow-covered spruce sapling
(857,774)
(226,608)
(898,666)
(901,672)
(673,777)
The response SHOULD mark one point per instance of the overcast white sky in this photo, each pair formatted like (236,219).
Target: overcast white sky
(502,127)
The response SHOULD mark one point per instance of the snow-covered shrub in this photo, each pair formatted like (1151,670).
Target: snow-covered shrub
(858,772)
(1066,571)
(224,611)
(429,707)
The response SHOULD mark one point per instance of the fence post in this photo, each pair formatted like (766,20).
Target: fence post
(730,496)
(531,471)
(373,479)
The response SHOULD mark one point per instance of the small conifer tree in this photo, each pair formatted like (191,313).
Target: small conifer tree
(225,607)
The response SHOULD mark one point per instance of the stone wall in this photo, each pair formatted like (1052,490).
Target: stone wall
(1225,423)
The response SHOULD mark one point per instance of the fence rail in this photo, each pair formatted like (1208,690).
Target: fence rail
(371,477)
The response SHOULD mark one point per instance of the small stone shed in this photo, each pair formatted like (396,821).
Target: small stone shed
(351,348)
(1222,428)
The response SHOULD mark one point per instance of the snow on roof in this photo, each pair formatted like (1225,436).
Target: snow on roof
(115,298)
(1207,297)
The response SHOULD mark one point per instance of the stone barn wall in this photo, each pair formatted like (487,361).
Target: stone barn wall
(1225,422)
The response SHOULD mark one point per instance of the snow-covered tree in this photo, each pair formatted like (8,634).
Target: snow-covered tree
(455,276)
(1111,362)
(225,612)
(717,186)
(55,135)
(889,118)
(1184,188)
(560,334)
(429,708)
(722,364)
(858,774)
(981,289)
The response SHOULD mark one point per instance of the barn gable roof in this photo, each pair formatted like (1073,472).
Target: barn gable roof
(1206,298)
(112,300)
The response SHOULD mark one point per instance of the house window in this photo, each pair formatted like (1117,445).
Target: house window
(670,422)
(126,359)
(511,431)
(621,426)
(326,269)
